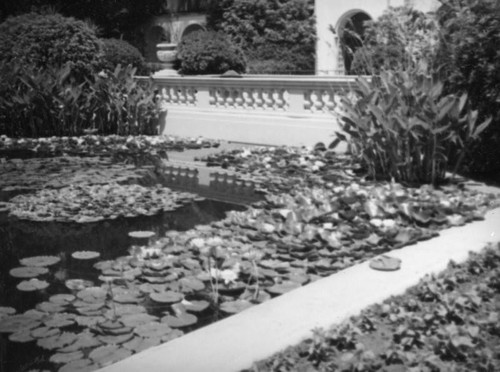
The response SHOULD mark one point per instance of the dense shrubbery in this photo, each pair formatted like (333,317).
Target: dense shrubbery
(471,60)
(277,36)
(50,40)
(38,102)
(401,38)
(403,127)
(460,46)
(209,52)
(120,52)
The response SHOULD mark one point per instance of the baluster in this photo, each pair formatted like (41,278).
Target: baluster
(238,98)
(308,103)
(248,99)
(212,100)
(258,99)
(221,100)
(328,99)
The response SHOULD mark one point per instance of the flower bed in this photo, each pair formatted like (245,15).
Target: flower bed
(446,323)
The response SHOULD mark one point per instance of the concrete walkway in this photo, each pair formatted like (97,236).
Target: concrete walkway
(236,342)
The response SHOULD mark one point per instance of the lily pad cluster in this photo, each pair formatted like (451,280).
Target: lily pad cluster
(281,169)
(29,175)
(92,203)
(445,323)
(103,145)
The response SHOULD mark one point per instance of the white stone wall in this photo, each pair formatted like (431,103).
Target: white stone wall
(331,14)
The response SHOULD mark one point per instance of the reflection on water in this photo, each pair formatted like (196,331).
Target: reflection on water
(20,239)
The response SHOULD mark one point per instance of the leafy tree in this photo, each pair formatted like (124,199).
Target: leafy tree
(401,38)
(470,56)
(269,30)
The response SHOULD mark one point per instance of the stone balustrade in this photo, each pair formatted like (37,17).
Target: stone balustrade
(260,109)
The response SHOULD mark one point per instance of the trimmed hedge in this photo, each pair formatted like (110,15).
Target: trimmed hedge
(120,52)
(38,40)
(209,52)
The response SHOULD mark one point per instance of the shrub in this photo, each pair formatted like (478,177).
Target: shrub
(209,52)
(116,51)
(401,38)
(471,60)
(50,40)
(37,102)
(274,58)
(402,127)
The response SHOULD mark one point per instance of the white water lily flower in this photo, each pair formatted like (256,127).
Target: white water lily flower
(388,223)
(197,243)
(216,241)
(377,222)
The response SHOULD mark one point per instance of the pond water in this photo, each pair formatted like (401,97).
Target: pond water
(20,239)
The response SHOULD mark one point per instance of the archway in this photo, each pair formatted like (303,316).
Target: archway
(154,35)
(193,27)
(350,30)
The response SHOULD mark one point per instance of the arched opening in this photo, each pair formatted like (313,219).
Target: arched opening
(154,36)
(192,28)
(350,29)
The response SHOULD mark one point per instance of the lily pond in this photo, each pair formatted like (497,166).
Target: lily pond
(100,260)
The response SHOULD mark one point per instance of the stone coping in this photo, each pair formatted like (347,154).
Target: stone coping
(235,343)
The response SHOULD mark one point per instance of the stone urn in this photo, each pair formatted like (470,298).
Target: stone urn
(166,53)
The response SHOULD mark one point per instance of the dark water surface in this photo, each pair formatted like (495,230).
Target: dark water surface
(20,239)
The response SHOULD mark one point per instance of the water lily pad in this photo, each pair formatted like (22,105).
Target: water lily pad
(180,321)
(32,285)
(60,320)
(44,332)
(85,255)
(78,284)
(106,355)
(60,358)
(28,272)
(82,365)
(141,234)
(40,261)
(115,339)
(62,299)
(16,323)
(153,329)
(128,297)
(50,307)
(134,320)
(125,309)
(191,284)
(195,306)
(167,297)
(92,294)
(233,307)
(138,344)
(21,336)
(283,287)
(58,341)
(6,310)
(82,341)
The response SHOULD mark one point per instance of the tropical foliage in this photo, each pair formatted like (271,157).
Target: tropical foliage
(471,59)
(277,36)
(209,52)
(402,126)
(46,101)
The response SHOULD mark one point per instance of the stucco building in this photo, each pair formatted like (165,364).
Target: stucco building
(332,16)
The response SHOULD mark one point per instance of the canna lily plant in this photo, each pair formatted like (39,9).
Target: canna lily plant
(404,127)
